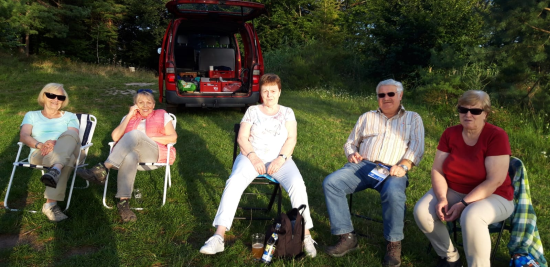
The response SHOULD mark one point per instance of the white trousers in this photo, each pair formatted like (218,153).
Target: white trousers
(243,174)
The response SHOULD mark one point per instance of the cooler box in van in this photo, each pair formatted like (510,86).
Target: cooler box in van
(230,86)
(208,86)
(227,74)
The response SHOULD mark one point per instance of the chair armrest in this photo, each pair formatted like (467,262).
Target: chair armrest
(86,146)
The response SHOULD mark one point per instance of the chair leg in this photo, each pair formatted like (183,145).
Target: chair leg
(272,199)
(280,200)
(166,178)
(8,191)
(494,252)
(105,190)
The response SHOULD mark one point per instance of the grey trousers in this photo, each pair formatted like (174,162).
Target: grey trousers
(134,147)
(474,220)
(65,153)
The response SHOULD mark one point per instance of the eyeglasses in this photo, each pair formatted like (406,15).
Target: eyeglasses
(53,96)
(474,111)
(145,90)
(390,94)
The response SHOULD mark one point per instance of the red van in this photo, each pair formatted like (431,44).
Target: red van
(211,55)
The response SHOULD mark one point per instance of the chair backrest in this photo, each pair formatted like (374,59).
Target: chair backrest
(236,129)
(87,127)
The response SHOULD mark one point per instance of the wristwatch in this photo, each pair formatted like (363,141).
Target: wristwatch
(404,167)
(464,203)
(283,155)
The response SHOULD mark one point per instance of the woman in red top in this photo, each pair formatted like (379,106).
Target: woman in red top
(470,182)
(141,136)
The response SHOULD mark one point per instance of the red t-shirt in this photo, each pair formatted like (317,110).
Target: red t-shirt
(464,168)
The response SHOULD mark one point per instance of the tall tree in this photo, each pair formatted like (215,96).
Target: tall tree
(520,45)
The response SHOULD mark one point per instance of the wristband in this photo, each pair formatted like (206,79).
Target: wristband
(283,155)
(36,145)
(250,153)
(464,203)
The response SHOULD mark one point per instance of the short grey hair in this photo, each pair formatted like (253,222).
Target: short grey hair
(393,82)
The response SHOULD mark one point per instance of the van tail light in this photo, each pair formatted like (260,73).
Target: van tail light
(171,78)
(256,79)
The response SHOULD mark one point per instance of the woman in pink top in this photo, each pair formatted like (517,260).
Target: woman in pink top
(141,137)
(470,182)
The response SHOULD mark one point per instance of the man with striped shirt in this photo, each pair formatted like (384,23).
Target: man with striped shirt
(389,136)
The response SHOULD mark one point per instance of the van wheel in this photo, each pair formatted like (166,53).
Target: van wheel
(172,108)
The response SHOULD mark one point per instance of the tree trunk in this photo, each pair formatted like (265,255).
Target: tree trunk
(27,42)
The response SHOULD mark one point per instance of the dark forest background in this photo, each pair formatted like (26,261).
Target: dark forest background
(437,48)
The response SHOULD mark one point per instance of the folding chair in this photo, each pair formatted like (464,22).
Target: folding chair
(86,132)
(260,180)
(361,216)
(148,166)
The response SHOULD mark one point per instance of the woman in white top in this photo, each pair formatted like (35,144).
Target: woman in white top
(267,137)
(52,135)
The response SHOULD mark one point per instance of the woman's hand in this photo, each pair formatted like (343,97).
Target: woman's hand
(47,147)
(454,212)
(441,209)
(275,165)
(355,158)
(133,110)
(258,164)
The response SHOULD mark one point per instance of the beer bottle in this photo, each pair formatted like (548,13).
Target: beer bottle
(271,245)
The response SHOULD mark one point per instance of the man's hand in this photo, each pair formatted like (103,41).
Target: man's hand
(398,171)
(355,158)
(275,165)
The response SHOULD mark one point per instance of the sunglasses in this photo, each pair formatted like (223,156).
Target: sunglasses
(145,91)
(390,94)
(474,111)
(53,96)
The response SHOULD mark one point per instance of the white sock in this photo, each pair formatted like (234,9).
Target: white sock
(49,205)
(220,236)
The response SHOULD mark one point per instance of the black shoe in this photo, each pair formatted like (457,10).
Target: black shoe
(51,177)
(347,243)
(393,254)
(444,263)
(97,174)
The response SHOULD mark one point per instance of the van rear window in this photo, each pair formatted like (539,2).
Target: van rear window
(206,8)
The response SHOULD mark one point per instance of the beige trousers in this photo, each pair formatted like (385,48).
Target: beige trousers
(65,153)
(474,220)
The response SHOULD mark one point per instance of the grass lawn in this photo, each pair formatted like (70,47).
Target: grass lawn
(172,235)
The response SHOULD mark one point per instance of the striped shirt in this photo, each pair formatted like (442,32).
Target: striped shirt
(377,138)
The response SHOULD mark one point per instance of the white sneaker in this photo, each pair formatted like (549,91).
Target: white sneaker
(54,213)
(213,245)
(309,246)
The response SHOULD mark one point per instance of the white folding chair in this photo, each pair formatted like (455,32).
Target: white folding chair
(86,132)
(142,166)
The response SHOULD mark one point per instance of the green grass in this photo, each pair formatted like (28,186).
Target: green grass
(172,235)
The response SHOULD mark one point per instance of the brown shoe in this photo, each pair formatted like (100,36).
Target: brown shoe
(393,254)
(126,214)
(347,243)
(97,174)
